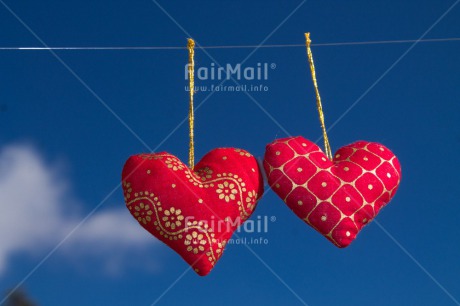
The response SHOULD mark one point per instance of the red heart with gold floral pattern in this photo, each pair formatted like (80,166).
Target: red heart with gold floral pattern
(193,212)
(338,197)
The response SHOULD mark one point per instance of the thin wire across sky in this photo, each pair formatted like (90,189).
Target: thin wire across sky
(331,44)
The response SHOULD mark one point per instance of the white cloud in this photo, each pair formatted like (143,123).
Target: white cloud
(36,213)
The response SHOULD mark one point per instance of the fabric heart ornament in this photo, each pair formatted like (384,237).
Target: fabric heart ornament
(193,212)
(339,197)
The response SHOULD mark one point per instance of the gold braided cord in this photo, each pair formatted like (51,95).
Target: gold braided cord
(191,116)
(327,146)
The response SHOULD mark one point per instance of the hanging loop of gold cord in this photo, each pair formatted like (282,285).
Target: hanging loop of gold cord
(191,116)
(327,146)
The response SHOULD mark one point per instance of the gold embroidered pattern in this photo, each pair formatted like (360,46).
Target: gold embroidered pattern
(143,213)
(230,187)
(329,200)
(205,173)
(243,152)
(173,218)
(250,199)
(172,223)
(197,236)
(205,178)
(195,242)
(174,164)
(226,191)
(151,156)
(128,189)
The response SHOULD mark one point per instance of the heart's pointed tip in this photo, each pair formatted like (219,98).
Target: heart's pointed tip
(202,273)
(343,245)
(341,241)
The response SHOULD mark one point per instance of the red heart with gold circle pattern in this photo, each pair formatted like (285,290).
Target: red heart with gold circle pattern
(193,212)
(338,197)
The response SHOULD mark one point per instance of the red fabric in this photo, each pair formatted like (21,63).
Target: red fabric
(339,197)
(194,213)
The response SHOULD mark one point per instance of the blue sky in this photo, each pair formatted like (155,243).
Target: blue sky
(62,151)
